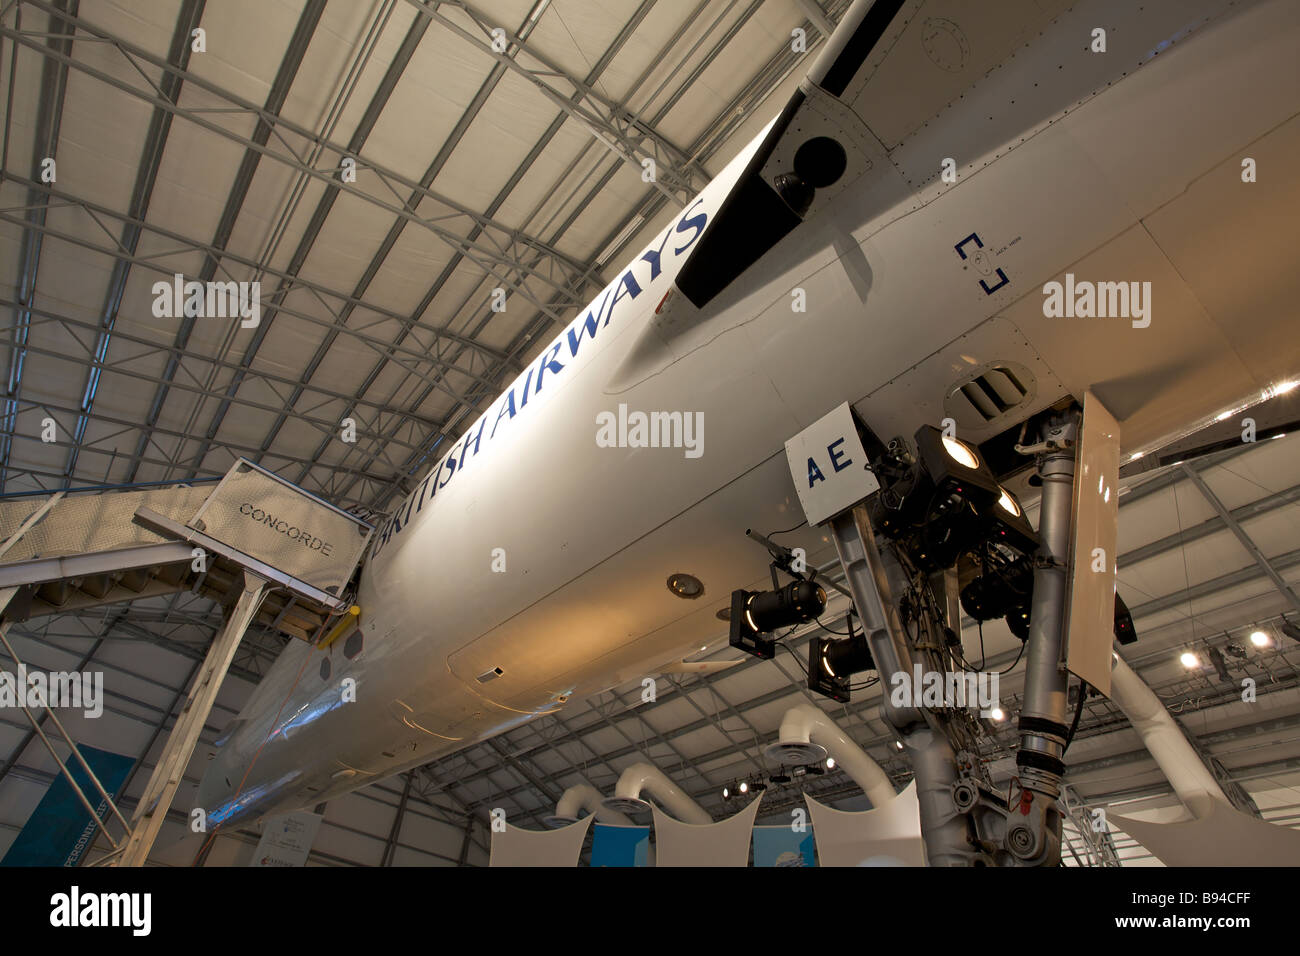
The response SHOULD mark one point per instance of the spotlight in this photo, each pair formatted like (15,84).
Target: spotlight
(936,491)
(1007,524)
(944,501)
(1189,660)
(832,662)
(1018,622)
(999,590)
(1124,632)
(898,744)
(726,793)
(997,713)
(960,452)
(830,763)
(754,614)
(1220,665)
(1009,504)
(744,787)
(1259,639)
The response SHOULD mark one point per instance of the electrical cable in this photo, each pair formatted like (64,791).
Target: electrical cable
(773,534)
(1078,712)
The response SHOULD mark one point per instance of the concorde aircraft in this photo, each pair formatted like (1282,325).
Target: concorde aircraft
(980,212)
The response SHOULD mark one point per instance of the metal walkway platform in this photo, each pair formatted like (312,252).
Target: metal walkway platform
(267,551)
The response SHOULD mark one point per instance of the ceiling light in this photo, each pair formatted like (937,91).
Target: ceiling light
(1190,660)
(960,452)
(898,744)
(686,586)
(744,787)
(830,763)
(1259,639)
(726,793)
(997,713)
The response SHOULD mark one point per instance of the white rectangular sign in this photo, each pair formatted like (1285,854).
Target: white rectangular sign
(829,467)
(286,840)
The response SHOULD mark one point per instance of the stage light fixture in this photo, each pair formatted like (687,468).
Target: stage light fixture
(1124,632)
(832,662)
(1189,660)
(755,614)
(726,793)
(1220,665)
(944,501)
(999,590)
(744,787)
(998,714)
(830,763)
(1018,622)
(1260,639)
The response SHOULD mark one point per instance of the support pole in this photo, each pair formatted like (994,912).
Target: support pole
(1034,834)
(869,573)
(166,778)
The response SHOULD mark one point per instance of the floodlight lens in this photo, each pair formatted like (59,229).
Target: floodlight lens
(960,452)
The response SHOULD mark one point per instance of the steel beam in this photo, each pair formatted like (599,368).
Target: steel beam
(166,778)
(1251,547)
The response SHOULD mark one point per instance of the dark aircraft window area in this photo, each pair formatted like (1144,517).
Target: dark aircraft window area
(325,668)
(352,646)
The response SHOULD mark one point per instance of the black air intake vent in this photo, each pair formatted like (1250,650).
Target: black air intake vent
(996,391)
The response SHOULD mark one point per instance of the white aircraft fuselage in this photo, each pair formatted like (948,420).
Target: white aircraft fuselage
(534,549)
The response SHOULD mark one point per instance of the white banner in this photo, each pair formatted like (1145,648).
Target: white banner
(889,835)
(1227,837)
(710,844)
(286,840)
(515,847)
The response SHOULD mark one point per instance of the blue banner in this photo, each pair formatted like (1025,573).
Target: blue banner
(59,830)
(620,846)
(783,846)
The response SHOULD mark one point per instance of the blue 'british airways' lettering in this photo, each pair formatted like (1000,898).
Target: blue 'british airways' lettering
(588,322)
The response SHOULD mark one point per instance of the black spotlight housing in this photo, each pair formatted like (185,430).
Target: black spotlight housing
(944,501)
(1290,630)
(1124,632)
(832,662)
(956,466)
(1006,524)
(996,593)
(755,614)
(1018,621)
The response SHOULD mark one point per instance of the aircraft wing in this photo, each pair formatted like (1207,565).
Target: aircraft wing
(889,67)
